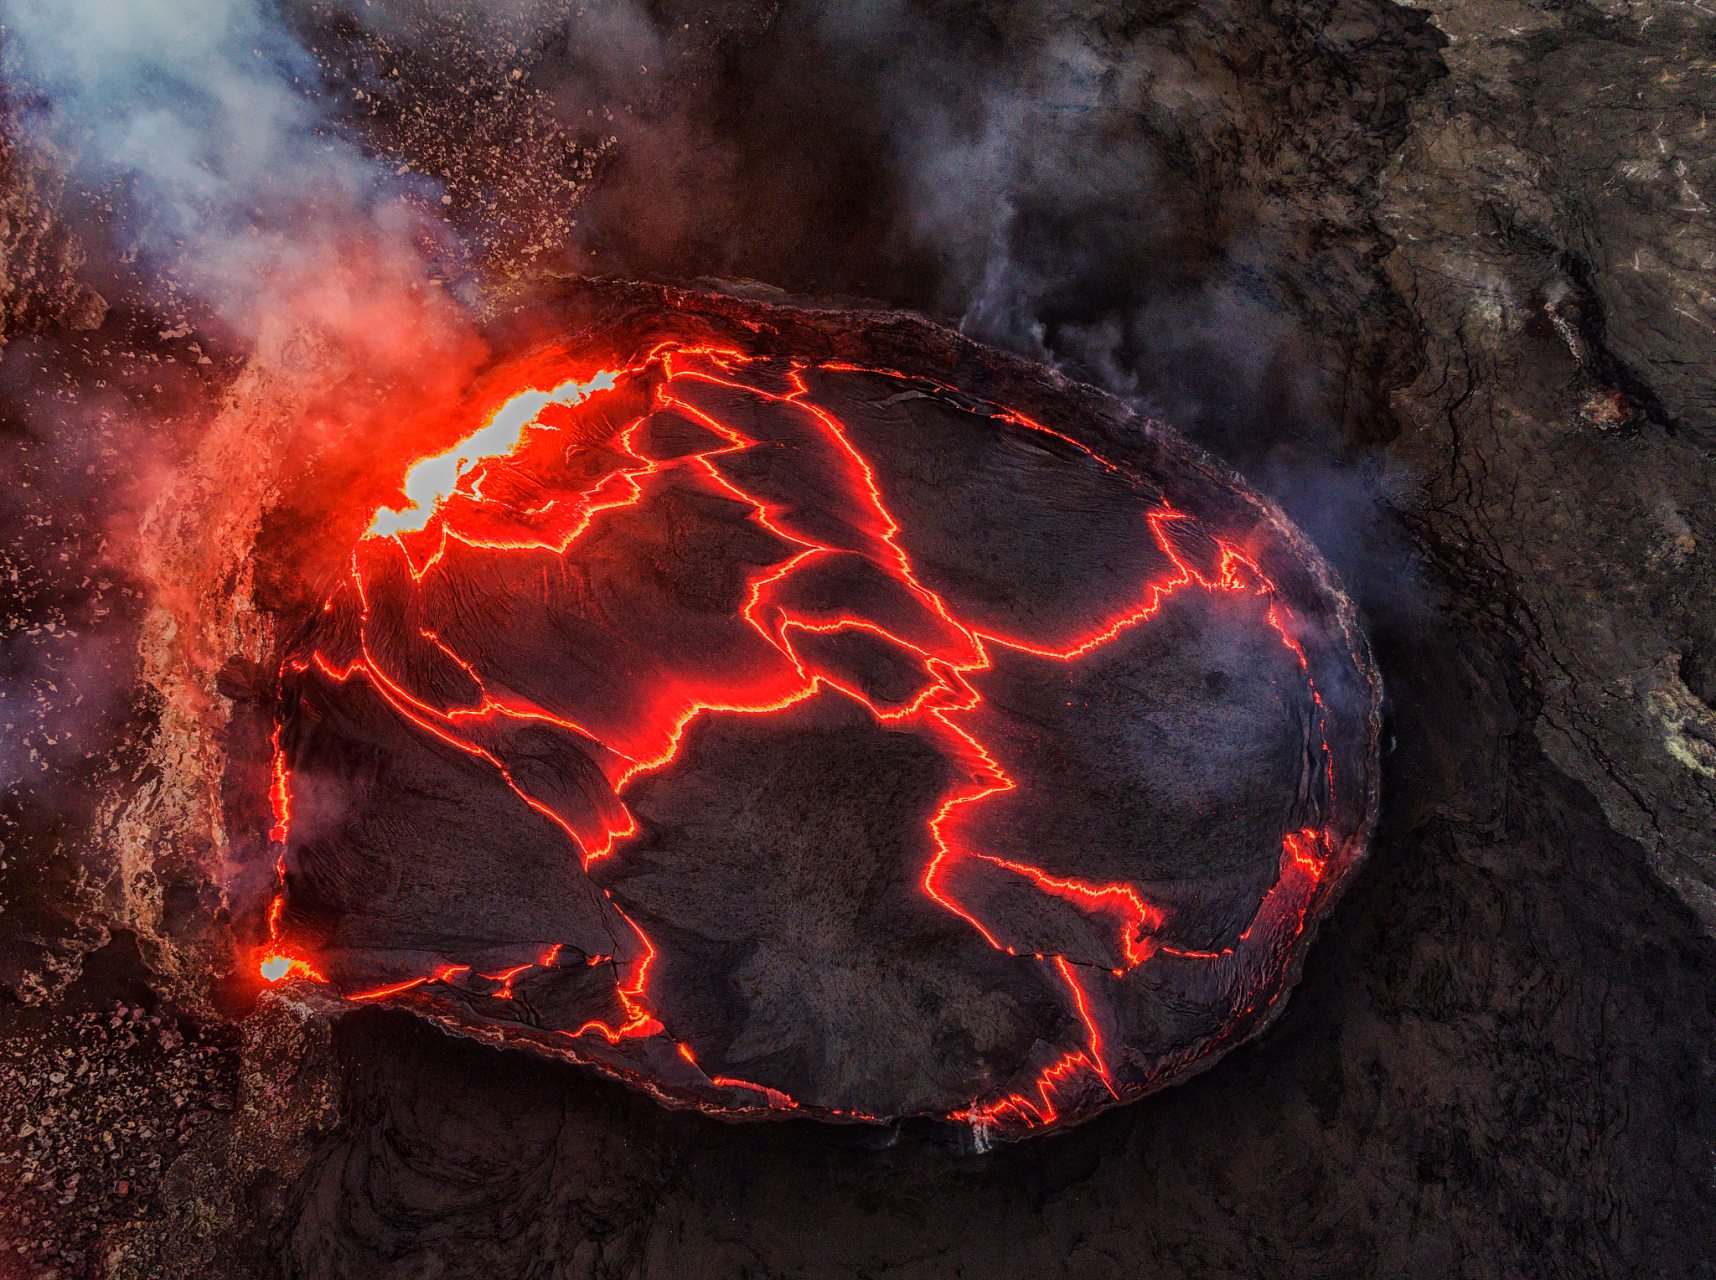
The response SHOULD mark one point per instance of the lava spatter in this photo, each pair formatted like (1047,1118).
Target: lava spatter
(733,553)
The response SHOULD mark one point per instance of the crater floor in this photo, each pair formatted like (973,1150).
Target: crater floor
(782,732)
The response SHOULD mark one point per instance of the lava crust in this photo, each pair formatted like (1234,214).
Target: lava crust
(813,712)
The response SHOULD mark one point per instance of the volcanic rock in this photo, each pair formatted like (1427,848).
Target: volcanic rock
(784,716)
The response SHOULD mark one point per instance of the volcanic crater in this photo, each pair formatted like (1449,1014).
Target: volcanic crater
(794,711)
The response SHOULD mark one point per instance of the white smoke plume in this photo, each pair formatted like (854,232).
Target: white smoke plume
(221,204)
(200,123)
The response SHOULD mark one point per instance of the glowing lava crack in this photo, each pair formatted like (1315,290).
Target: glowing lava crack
(813,735)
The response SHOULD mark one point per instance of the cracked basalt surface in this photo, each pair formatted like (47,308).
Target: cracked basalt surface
(833,715)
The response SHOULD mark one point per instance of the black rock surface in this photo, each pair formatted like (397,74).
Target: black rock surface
(799,725)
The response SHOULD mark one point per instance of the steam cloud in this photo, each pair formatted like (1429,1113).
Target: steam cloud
(218,200)
(234,186)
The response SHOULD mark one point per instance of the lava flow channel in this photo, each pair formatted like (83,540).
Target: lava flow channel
(833,572)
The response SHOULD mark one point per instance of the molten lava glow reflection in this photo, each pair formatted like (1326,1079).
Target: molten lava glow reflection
(646,734)
(432,481)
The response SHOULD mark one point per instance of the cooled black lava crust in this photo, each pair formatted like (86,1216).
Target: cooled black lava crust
(826,714)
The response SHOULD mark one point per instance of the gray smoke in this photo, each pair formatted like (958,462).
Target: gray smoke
(212,187)
(200,124)
(1094,202)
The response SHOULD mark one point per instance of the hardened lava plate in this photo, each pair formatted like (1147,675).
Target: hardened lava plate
(802,712)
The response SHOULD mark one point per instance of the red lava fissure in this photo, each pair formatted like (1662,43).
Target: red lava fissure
(642,736)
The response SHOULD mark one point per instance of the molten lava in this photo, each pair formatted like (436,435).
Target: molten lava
(433,480)
(808,602)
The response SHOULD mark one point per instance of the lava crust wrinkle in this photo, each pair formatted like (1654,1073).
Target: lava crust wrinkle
(792,734)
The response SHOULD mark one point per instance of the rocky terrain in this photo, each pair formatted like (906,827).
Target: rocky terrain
(1437,278)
